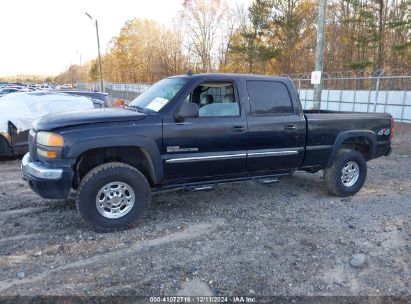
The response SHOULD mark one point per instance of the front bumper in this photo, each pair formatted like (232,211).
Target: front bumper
(50,183)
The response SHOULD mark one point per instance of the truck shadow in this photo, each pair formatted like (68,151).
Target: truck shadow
(244,194)
(228,201)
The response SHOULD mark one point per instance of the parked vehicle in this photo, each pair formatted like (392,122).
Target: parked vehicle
(66,87)
(19,110)
(7,90)
(194,131)
(32,89)
(44,87)
(95,95)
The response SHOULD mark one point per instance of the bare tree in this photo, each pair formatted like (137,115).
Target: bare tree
(203,20)
(232,20)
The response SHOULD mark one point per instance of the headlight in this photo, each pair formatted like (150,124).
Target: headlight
(49,139)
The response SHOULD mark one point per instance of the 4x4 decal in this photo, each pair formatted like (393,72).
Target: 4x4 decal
(385,131)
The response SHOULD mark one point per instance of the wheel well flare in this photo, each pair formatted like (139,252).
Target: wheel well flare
(133,156)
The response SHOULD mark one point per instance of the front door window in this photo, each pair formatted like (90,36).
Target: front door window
(215,99)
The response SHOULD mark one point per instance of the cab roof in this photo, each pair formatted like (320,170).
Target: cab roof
(225,76)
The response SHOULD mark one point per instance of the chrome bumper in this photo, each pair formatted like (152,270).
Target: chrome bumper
(37,170)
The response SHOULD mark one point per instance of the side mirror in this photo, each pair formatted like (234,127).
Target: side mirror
(187,110)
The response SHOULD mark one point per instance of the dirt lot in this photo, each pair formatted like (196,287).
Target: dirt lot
(290,238)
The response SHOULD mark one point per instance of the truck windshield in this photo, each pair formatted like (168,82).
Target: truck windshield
(158,95)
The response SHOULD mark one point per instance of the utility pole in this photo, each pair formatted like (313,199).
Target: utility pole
(99,56)
(319,55)
(99,60)
(77,51)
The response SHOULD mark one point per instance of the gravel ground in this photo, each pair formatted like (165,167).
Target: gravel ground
(290,238)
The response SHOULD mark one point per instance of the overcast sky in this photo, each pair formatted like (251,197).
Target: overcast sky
(46,36)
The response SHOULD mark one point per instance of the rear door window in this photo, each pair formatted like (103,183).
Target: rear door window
(269,98)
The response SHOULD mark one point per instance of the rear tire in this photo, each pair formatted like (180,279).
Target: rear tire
(113,196)
(347,174)
(4,147)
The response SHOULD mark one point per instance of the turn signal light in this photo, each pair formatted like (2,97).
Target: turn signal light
(48,154)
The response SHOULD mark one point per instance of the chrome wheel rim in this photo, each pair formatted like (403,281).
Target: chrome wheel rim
(115,200)
(350,174)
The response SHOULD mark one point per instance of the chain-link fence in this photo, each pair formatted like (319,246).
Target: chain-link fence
(126,91)
(391,94)
(370,93)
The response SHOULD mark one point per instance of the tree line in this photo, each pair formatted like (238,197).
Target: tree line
(269,37)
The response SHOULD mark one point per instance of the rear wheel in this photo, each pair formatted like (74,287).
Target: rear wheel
(347,174)
(113,196)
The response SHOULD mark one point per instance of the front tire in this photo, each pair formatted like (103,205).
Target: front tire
(347,174)
(113,196)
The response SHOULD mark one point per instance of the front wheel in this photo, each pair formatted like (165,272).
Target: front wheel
(112,196)
(347,174)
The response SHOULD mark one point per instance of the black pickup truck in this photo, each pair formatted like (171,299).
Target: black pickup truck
(194,131)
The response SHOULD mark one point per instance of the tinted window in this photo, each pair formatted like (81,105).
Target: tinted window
(269,97)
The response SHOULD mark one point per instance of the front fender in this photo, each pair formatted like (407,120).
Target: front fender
(80,141)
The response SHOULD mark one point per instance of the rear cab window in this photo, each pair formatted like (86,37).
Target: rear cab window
(269,98)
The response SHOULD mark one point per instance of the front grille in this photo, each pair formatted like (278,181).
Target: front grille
(32,144)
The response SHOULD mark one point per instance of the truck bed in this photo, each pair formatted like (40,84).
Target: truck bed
(324,126)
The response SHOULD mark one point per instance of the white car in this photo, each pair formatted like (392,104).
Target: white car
(19,110)
(66,87)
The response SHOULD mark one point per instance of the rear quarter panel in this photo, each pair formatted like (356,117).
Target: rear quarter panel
(324,127)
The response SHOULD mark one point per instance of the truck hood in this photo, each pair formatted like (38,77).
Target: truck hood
(72,118)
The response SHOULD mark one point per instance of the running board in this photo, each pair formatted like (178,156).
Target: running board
(266,181)
(210,185)
(200,188)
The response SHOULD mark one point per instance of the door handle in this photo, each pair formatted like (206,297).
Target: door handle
(290,127)
(238,129)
